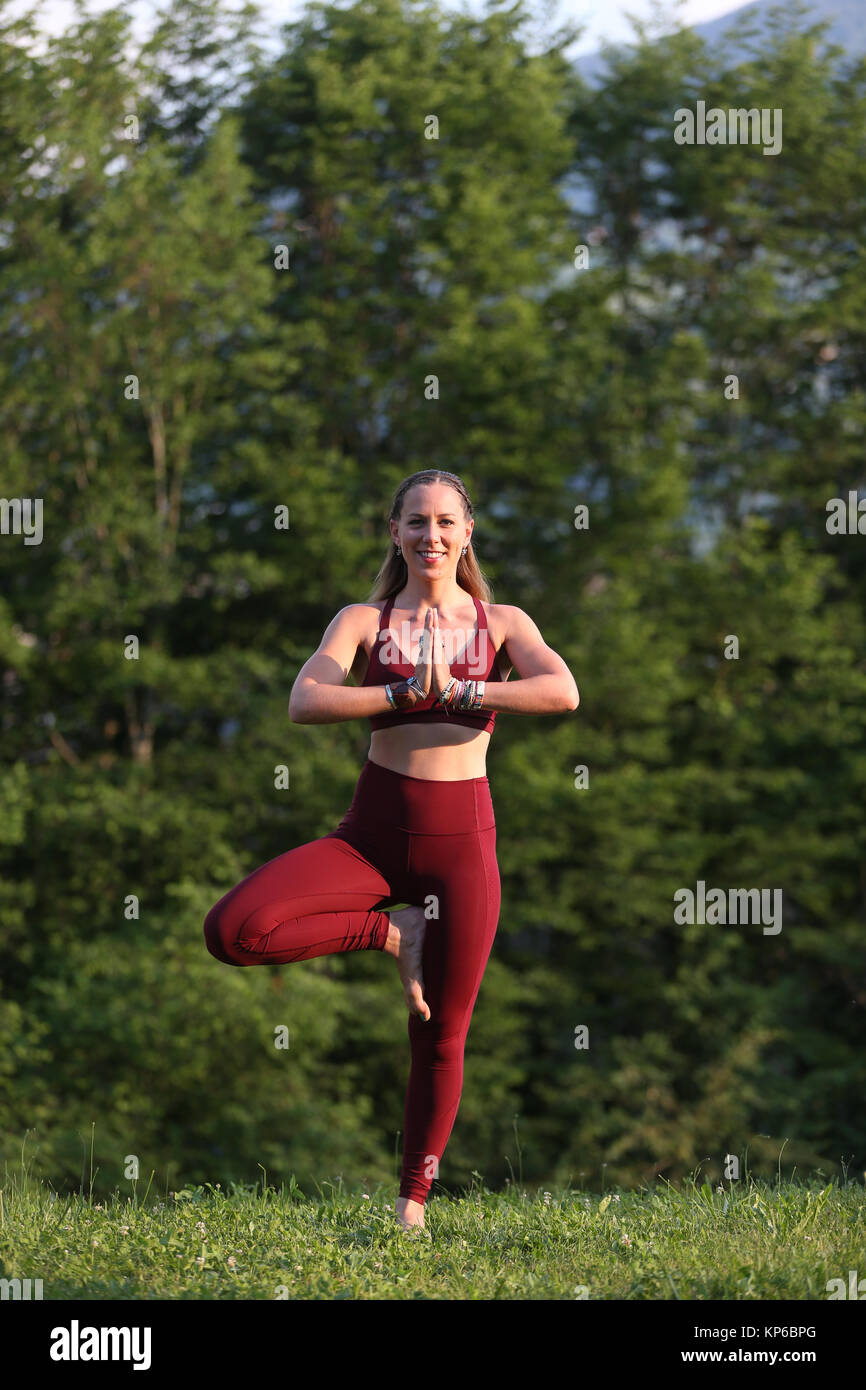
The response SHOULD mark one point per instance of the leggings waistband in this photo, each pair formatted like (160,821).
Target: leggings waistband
(422,805)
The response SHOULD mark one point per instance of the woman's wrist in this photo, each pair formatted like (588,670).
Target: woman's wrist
(405,694)
(457,696)
(447,693)
(463,696)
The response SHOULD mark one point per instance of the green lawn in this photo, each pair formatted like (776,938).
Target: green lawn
(755,1241)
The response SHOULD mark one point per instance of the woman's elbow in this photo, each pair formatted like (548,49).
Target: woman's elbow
(299,708)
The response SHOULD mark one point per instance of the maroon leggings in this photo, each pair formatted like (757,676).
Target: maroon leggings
(403,839)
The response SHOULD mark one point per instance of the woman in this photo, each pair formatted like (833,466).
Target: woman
(420,829)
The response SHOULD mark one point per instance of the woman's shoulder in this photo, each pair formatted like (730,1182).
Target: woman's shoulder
(366,617)
(502,610)
(365,610)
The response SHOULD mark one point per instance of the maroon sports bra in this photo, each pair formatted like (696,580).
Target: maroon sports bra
(475,662)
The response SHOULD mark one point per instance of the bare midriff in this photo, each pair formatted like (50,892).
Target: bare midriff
(436,752)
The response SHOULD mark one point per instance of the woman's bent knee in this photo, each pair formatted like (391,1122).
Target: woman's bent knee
(221,937)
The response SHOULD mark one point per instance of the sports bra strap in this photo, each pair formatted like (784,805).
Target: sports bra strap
(385,614)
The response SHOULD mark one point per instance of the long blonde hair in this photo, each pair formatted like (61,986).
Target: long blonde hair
(392,574)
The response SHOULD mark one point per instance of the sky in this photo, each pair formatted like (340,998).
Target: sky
(603,19)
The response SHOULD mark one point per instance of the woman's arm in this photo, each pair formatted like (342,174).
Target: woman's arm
(318,694)
(546,686)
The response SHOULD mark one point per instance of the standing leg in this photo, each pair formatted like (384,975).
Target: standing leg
(462,872)
(314,900)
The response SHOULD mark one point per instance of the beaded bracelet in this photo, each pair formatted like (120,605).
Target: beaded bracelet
(447,695)
(462,695)
(458,700)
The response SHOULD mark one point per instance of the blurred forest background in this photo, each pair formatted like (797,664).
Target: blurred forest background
(145,192)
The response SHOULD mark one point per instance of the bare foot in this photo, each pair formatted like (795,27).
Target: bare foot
(409,1213)
(406,943)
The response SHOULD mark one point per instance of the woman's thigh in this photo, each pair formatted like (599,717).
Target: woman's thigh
(318,897)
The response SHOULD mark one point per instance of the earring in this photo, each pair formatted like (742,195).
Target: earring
(398,550)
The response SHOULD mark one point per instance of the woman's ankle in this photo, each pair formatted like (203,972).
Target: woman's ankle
(399,921)
(391,945)
(409,1211)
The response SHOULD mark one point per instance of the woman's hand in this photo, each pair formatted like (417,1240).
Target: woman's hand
(432,670)
(440,670)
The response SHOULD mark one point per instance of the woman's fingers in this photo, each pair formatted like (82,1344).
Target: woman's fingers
(433,669)
(440,673)
(424,664)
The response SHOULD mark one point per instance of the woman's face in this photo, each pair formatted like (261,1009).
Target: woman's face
(432,529)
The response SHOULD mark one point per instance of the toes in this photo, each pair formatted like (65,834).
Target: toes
(420,1006)
(415,999)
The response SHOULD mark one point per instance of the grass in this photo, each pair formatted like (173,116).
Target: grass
(752,1240)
